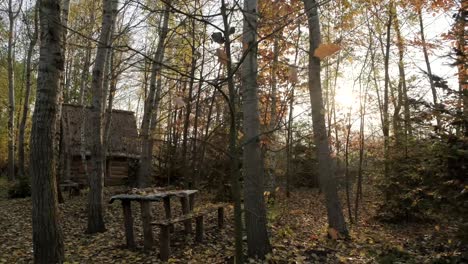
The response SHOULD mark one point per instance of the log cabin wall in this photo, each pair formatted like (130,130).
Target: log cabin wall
(117,170)
(122,150)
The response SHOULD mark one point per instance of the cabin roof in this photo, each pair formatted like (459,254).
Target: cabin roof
(123,136)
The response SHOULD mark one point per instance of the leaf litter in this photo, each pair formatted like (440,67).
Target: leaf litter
(298,234)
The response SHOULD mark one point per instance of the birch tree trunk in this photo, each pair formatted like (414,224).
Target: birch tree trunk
(325,164)
(96,178)
(47,231)
(258,243)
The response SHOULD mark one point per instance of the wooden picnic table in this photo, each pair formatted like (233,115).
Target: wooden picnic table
(145,197)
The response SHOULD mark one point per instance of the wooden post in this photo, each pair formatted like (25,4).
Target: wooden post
(221,217)
(164,243)
(167,209)
(146,220)
(128,223)
(192,201)
(186,210)
(199,228)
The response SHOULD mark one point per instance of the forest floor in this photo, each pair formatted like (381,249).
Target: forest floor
(298,228)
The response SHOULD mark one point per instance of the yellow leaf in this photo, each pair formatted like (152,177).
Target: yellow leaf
(325,50)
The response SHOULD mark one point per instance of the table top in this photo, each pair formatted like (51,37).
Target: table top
(149,194)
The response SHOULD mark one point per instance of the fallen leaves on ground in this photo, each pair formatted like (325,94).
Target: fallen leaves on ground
(298,231)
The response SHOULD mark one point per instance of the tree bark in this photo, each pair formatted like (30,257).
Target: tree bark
(258,243)
(96,178)
(402,87)
(289,137)
(151,104)
(47,231)
(24,117)
(233,147)
(11,89)
(428,67)
(188,109)
(326,169)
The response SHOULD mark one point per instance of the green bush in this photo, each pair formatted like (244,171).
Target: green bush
(21,189)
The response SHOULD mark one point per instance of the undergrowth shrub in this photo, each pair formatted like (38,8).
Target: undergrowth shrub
(20,189)
(430,178)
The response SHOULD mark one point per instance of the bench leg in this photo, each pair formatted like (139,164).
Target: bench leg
(146,219)
(167,209)
(199,228)
(186,210)
(75,191)
(164,243)
(221,217)
(128,223)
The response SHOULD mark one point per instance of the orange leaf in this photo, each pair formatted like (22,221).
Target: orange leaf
(325,50)
(222,56)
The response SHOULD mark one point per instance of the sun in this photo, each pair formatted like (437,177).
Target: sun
(345,98)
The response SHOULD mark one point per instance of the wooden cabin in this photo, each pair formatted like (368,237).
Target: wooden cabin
(122,152)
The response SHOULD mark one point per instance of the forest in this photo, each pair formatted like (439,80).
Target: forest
(233,131)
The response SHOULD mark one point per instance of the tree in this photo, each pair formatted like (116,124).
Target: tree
(233,134)
(254,204)
(428,64)
(12,15)
(151,105)
(32,43)
(47,232)
(326,167)
(96,178)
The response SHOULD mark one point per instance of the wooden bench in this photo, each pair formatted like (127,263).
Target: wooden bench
(73,188)
(167,225)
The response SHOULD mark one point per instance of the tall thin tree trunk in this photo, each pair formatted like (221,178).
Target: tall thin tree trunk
(188,109)
(258,243)
(82,102)
(60,151)
(47,231)
(96,178)
(428,67)
(347,178)
(112,76)
(386,122)
(289,137)
(233,148)
(145,168)
(12,15)
(24,118)
(403,96)
(195,151)
(326,169)
(462,65)
(362,111)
